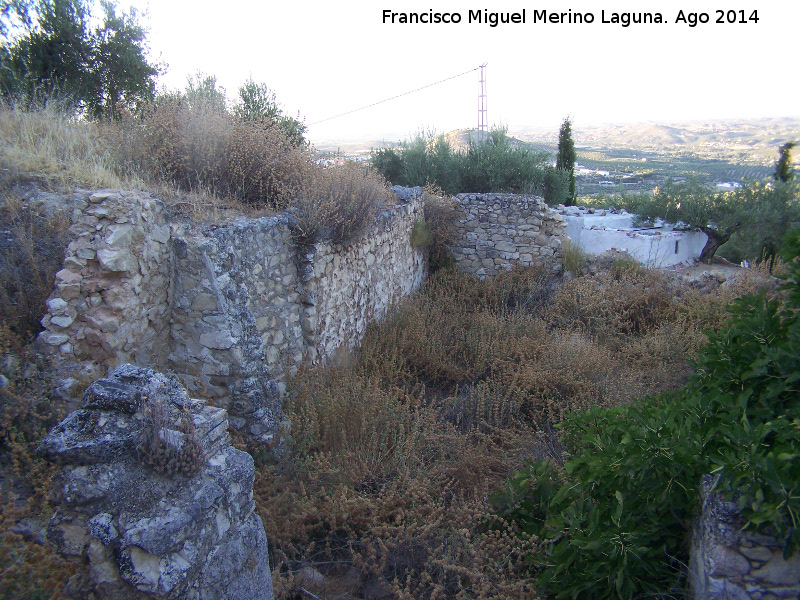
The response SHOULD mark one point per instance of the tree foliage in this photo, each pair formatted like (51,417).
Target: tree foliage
(55,54)
(752,218)
(565,160)
(491,165)
(783,168)
(616,520)
(258,103)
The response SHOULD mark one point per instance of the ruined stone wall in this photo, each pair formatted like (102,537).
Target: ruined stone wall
(231,308)
(110,303)
(348,288)
(499,230)
(247,302)
(235,318)
(729,564)
(151,499)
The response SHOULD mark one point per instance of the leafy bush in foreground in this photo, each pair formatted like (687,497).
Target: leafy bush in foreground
(617,516)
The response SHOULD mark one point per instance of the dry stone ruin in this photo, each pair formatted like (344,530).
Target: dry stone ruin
(497,231)
(233,309)
(152,500)
(730,564)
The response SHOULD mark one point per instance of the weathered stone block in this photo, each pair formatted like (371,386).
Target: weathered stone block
(185,535)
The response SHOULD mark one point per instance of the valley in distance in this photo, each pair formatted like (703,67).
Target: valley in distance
(641,156)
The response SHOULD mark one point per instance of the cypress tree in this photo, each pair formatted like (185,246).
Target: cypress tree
(566,155)
(783,168)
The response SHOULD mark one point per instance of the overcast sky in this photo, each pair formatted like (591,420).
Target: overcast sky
(326,58)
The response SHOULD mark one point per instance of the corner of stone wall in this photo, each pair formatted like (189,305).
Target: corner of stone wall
(234,309)
(497,231)
(348,287)
(730,564)
(234,317)
(110,304)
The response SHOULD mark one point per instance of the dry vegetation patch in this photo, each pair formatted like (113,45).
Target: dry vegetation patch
(390,460)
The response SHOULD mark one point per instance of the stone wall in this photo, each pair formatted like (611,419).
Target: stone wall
(499,230)
(729,564)
(348,288)
(231,308)
(110,302)
(188,531)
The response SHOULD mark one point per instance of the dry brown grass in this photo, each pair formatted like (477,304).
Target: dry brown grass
(391,458)
(29,570)
(197,148)
(50,145)
(440,216)
(32,244)
(337,204)
(205,163)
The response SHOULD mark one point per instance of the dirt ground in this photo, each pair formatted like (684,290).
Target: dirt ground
(721,269)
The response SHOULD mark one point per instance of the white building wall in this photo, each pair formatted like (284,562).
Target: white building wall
(655,248)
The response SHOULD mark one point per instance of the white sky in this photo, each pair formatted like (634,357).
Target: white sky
(326,58)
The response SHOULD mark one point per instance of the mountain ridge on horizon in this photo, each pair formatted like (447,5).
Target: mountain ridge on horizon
(758,133)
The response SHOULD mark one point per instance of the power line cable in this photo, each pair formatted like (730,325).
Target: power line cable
(349,112)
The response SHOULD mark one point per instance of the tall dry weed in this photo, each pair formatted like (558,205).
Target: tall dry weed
(49,143)
(32,245)
(337,204)
(29,568)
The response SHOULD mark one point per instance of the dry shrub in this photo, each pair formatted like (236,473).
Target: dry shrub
(263,166)
(29,569)
(197,147)
(50,144)
(408,536)
(366,427)
(32,245)
(383,488)
(611,306)
(337,204)
(384,492)
(440,216)
(564,371)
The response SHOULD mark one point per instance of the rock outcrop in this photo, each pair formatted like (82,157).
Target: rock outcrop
(152,499)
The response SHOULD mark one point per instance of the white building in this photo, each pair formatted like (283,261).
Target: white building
(654,247)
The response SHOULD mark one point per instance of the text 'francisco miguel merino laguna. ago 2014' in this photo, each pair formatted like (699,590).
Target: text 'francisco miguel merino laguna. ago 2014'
(623,19)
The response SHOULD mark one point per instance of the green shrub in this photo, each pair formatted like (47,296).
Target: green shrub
(421,234)
(573,258)
(491,165)
(622,508)
(622,265)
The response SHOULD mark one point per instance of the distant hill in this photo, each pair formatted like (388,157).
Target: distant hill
(726,150)
(459,139)
(746,139)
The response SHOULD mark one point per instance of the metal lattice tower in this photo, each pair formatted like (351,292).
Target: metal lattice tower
(483,121)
